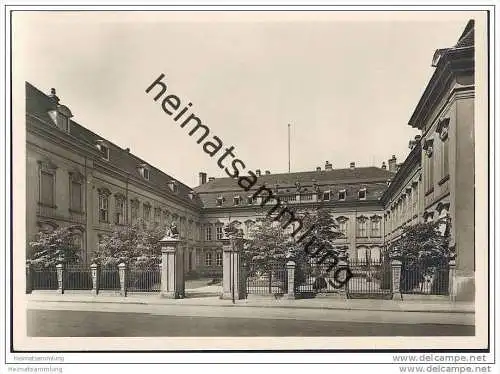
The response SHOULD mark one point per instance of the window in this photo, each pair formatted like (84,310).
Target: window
(208,259)
(119,210)
(218,259)
(47,182)
(165,217)
(219,232)
(445,168)
(157,216)
(208,233)
(134,210)
(76,195)
(375,229)
(236,200)
(429,165)
(362,194)
(342,195)
(219,201)
(144,171)
(343,226)
(103,207)
(249,200)
(63,122)
(104,149)
(361,226)
(326,195)
(146,212)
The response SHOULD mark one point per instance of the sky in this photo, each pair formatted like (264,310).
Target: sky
(347,83)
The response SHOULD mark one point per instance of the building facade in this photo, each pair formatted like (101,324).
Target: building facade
(76,177)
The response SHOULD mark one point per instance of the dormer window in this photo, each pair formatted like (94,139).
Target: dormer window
(144,171)
(103,148)
(236,200)
(342,195)
(326,195)
(61,114)
(362,194)
(173,186)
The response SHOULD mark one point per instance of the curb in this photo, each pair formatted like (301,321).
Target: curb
(256,305)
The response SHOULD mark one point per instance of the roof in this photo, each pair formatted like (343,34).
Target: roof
(467,37)
(305,178)
(351,180)
(39,104)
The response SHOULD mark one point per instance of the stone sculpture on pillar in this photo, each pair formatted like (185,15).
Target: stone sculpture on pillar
(172,265)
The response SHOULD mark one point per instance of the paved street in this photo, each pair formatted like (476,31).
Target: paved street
(92,323)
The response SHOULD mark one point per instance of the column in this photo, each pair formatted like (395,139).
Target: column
(172,268)
(396,279)
(122,271)
(290,267)
(29,279)
(96,274)
(451,280)
(60,278)
(231,271)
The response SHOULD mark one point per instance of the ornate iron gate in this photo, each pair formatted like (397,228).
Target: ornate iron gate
(370,280)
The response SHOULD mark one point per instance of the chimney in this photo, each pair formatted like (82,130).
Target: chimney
(268,172)
(318,168)
(352,165)
(328,165)
(202,178)
(211,179)
(392,164)
(127,150)
(257,172)
(384,166)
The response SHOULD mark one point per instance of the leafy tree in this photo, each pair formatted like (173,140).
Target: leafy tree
(270,246)
(57,246)
(138,245)
(423,249)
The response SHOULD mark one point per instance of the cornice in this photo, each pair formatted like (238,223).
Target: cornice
(456,62)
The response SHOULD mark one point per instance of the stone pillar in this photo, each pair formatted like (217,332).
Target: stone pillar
(343,266)
(96,275)
(290,267)
(396,279)
(122,271)
(451,280)
(60,278)
(29,279)
(231,271)
(172,269)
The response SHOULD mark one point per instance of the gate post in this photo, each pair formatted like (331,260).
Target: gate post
(290,267)
(122,271)
(172,268)
(96,275)
(396,279)
(29,279)
(231,271)
(451,280)
(60,278)
(343,264)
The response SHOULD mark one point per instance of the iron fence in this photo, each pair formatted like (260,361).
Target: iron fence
(273,280)
(77,277)
(144,279)
(312,278)
(424,280)
(109,278)
(370,279)
(44,278)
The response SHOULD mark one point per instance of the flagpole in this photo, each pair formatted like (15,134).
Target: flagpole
(289,148)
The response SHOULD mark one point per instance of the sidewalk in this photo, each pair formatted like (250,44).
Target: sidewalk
(431,306)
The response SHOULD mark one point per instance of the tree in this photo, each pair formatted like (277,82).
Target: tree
(422,248)
(270,245)
(138,245)
(57,246)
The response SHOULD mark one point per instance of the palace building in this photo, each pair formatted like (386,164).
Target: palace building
(76,177)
